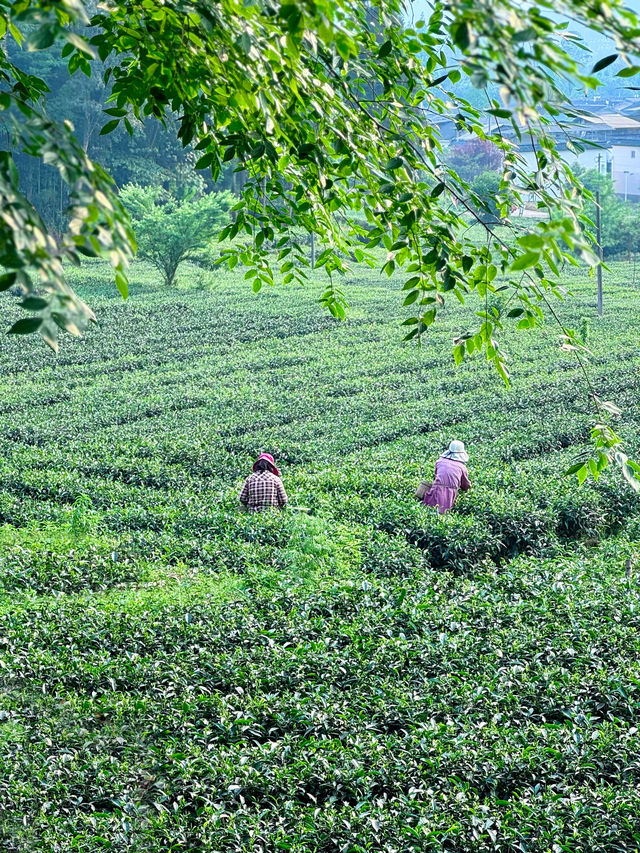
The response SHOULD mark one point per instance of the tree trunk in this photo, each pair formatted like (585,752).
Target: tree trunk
(170,272)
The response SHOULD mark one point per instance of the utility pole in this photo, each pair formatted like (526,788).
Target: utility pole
(599,239)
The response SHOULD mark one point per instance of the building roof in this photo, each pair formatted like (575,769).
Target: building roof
(615,121)
(600,105)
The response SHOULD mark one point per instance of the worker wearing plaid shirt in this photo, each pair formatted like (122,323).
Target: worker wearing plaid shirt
(263,489)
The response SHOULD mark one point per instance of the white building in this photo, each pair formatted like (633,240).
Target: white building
(625,170)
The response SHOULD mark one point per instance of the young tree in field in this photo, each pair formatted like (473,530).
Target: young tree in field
(612,210)
(487,188)
(170,230)
(334,120)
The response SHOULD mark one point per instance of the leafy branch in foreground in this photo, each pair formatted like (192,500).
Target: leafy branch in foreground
(97,223)
(334,111)
(607,449)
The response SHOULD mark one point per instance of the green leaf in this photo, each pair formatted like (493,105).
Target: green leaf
(609,407)
(385,49)
(43,38)
(631,71)
(574,468)
(122,285)
(26,326)
(502,370)
(428,318)
(244,42)
(7,280)
(604,63)
(411,297)
(629,474)
(528,34)
(34,303)
(109,126)
(88,251)
(461,35)
(206,160)
(80,44)
(531,241)
(394,163)
(526,261)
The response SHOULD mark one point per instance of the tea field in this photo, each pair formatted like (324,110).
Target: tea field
(356,673)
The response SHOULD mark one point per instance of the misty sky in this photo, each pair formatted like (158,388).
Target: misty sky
(598,44)
(420,7)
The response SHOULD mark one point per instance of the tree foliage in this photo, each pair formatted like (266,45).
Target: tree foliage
(620,222)
(336,120)
(486,186)
(471,158)
(171,230)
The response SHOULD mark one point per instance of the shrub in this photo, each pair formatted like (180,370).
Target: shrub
(472,158)
(389,556)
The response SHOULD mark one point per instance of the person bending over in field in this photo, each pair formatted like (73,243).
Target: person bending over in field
(263,489)
(451,475)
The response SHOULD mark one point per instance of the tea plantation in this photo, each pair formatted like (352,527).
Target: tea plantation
(354,674)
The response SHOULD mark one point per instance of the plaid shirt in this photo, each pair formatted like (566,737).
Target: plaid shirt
(262,490)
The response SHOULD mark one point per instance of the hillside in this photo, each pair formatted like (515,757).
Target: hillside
(356,673)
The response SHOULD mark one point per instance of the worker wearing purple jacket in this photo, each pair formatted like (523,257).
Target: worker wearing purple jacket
(451,476)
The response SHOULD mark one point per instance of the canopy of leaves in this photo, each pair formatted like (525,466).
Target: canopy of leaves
(334,112)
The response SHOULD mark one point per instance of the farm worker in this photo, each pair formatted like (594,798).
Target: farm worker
(263,489)
(451,475)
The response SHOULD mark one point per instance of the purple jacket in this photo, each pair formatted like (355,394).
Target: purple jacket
(450,476)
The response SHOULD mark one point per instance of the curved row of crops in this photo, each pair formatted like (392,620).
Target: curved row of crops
(357,673)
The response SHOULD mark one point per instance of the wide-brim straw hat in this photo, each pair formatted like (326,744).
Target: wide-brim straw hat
(456,452)
(268,458)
